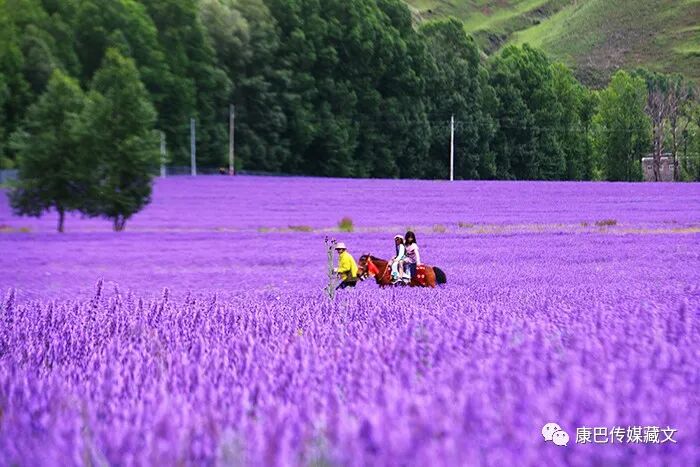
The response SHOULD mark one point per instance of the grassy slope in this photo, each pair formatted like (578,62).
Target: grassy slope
(595,36)
(491,21)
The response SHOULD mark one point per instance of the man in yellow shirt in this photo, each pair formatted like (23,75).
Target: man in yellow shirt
(347,267)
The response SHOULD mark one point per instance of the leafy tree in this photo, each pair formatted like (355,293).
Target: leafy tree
(320,104)
(43,40)
(404,90)
(60,26)
(689,149)
(458,84)
(4,94)
(51,174)
(623,129)
(39,61)
(33,42)
(127,26)
(575,110)
(119,140)
(681,98)
(589,104)
(333,87)
(246,43)
(353,92)
(19,95)
(197,87)
(526,142)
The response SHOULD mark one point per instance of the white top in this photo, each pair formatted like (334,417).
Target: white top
(412,254)
(401,253)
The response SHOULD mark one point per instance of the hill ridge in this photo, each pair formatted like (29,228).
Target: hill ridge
(595,37)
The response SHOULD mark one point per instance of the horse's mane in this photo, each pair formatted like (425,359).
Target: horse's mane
(374,258)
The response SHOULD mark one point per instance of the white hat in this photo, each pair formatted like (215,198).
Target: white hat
(398,236)
(340,246)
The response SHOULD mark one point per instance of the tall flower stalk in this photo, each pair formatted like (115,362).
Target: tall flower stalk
(332,276)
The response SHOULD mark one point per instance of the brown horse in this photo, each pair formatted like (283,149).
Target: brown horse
(425,276)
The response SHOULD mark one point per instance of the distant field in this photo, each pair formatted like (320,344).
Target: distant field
(248,203)
(204,233)
(596,37)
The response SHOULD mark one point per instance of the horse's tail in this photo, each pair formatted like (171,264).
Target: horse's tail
(440,276)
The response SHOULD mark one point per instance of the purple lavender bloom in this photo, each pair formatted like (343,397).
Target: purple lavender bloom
(202,334)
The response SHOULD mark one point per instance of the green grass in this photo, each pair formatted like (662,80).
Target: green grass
(346,225)
(301,228)
(595,37)
(477,15)
(490,21)
(559,26)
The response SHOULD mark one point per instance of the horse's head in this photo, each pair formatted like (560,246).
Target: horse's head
(362,267)
(366,267)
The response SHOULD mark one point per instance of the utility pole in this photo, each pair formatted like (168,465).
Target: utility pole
(193,148)
(162,154)
(231,129)
(452,148)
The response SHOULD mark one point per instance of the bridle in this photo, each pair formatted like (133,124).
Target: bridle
(365,270)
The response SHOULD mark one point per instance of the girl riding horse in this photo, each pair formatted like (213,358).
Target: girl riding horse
(412,260)
(380,270)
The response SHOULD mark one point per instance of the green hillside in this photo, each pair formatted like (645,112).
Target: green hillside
(595,37)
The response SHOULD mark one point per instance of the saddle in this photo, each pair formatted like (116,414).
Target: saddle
(420,274)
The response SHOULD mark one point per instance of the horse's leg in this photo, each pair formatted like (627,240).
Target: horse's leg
(387,278)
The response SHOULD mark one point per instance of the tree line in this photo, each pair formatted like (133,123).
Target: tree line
(349,88)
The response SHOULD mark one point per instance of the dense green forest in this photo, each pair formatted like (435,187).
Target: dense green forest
(350,88)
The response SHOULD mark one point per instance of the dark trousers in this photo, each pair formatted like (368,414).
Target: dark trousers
(349,282)
(410,268)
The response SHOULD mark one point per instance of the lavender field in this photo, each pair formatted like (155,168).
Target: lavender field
(202,335)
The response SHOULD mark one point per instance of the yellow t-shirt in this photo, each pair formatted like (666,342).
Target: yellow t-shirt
(347,267)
